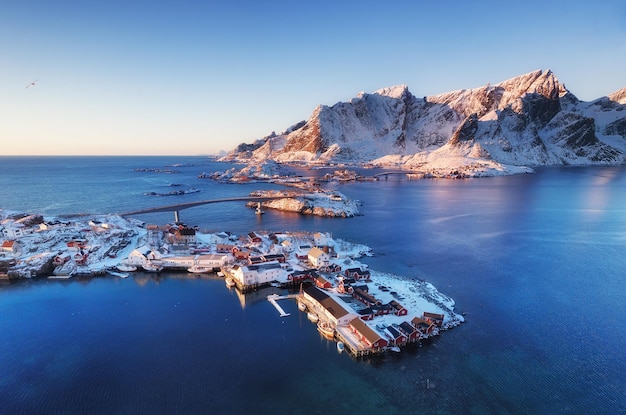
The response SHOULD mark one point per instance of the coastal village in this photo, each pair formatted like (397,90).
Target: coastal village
(363,310)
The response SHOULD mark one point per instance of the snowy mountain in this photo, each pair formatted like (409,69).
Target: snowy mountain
(529,120)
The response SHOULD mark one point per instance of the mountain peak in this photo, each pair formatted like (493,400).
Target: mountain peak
(531,119)
(394,91)
(619,96)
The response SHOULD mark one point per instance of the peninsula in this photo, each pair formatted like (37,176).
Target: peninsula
(364,310)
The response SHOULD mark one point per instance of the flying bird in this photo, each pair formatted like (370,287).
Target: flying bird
(31,83)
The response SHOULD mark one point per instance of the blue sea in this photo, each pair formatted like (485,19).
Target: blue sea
(536,262)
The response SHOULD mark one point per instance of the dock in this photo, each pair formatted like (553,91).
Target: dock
(272,299)
(118,274)
(61,277)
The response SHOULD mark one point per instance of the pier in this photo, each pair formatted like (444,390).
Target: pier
(272,299)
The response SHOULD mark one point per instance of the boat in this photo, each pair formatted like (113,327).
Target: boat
(326,329)
(301,306)
(312,316)
(118,274)
(199,269)
(150,267)
(230,283)
(83,271)
(340,347)
(395,349)
(126,267)
(259,211)
(64,271)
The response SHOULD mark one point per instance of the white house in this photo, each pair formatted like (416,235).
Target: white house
(263,273)
(321,239)
(14,232)
(287,246)
(96,224)
(142,254)
(318,258)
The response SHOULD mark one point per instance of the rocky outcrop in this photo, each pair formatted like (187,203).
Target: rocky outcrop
(466,131)
(617,127)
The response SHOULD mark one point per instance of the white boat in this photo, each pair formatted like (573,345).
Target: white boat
(301,306)
(340,347)
(63,271)
(312,316)
(199,269)
(124,267)
(83,271)
(326,329)
(150,267)
(259,211)
(118,274)
(60,273)
(230,283)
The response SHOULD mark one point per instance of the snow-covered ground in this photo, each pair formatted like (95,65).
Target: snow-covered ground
(417,296)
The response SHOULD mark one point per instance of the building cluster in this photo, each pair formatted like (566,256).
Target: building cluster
(353,323)
(339,297)
(31,246)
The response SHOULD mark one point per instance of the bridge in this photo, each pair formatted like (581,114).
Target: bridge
(387,173)
(180,206)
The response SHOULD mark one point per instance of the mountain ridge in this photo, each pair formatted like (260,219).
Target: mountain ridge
(526,121)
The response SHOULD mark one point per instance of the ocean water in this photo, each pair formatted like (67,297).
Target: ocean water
(537,263)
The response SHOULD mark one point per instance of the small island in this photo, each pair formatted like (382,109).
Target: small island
(318,203)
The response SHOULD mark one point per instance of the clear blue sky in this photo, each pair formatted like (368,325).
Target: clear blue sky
(197,77)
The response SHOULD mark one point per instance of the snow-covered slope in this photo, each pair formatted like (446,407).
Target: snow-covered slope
(529,120)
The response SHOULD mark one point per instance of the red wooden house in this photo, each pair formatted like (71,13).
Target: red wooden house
(367,314)
(365,297)
(410,331)
(305,275)
(322,282)
(436,319)
(254,238)
(367,335)
(381,309)
(77,244)
(423,326)
(397,308)
(397,337)
(357,273)
(274,257)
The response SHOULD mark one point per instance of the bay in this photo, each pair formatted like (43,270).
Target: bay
(535,261)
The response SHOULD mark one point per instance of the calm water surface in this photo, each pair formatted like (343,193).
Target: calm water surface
(536,261)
